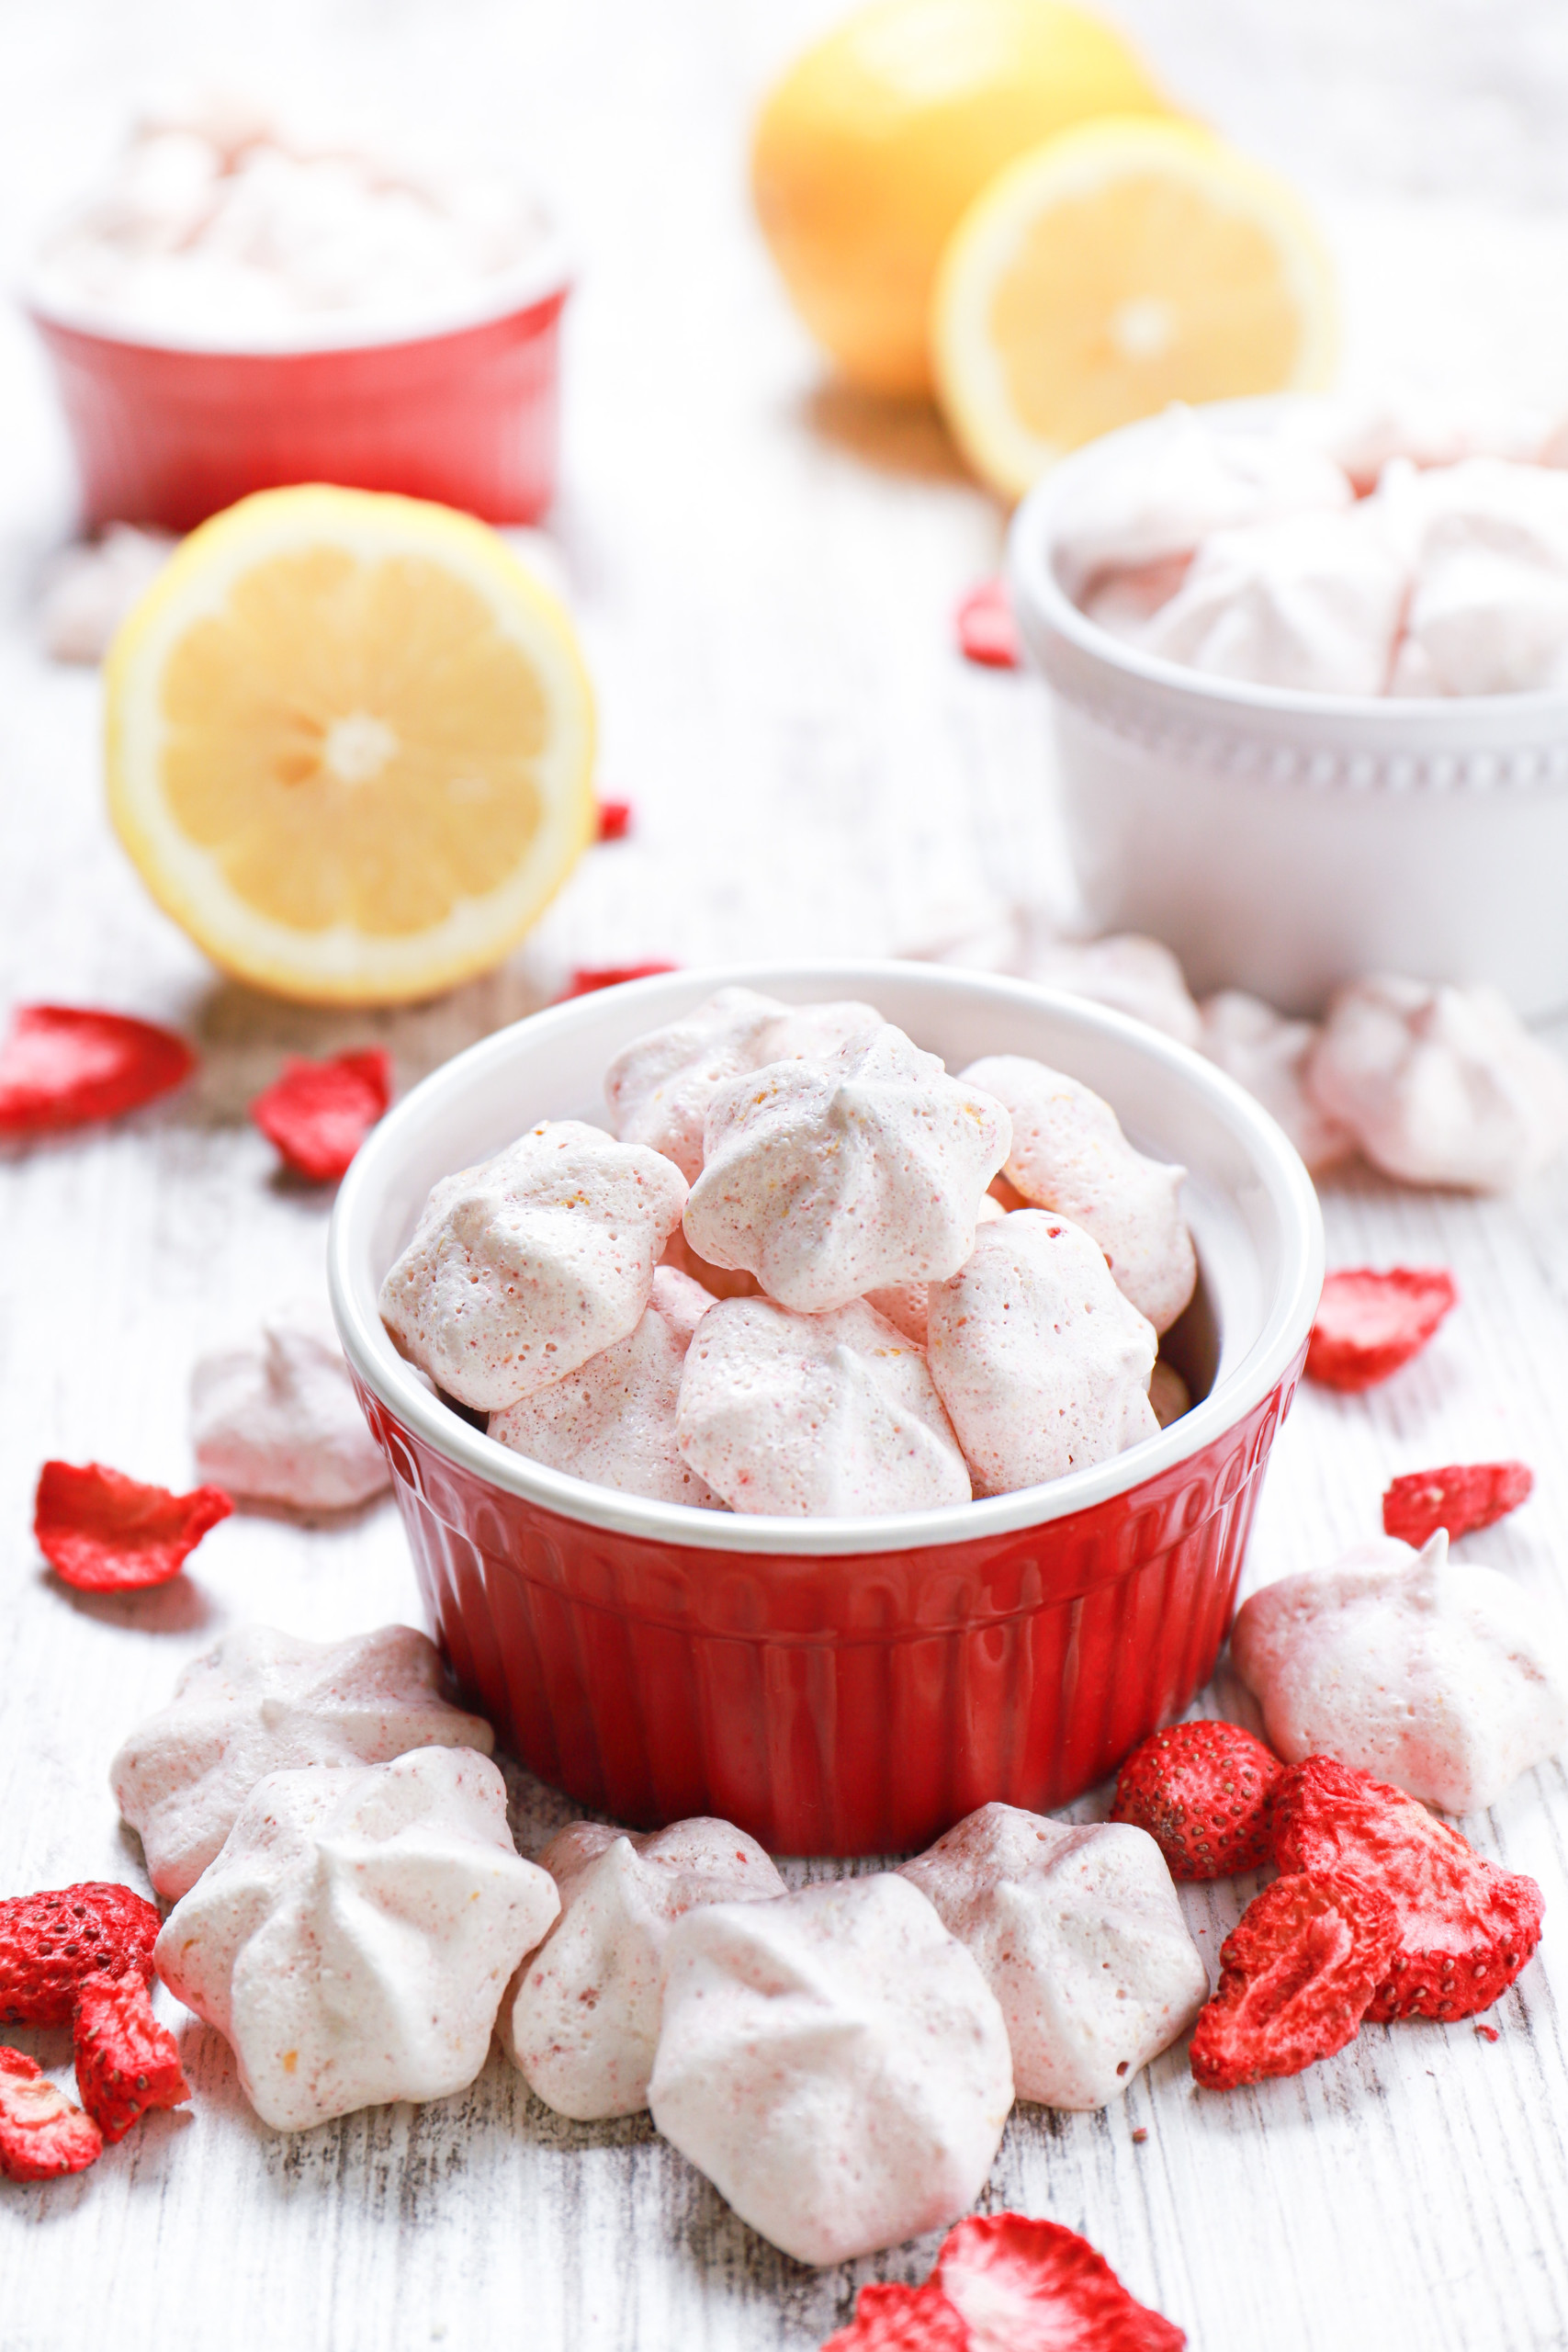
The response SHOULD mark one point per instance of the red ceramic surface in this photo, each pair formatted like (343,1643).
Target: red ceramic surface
(837,1705)
(169,437)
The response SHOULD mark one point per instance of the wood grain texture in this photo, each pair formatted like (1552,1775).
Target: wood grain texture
(765,570)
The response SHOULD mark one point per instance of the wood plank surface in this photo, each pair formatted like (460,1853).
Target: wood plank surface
(765,567)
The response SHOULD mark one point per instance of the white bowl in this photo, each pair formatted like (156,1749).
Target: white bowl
(1285,843)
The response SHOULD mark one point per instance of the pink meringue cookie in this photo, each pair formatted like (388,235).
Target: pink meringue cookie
(1130,974)
(829,1179)
(1365,436)
(1311,602)
(1440,1679)
(585,2020)
(521,1268)
(904,1304)
(658,1088)
(834,2061)
(612,1421)
(1440,1085)
(1488,547)
(1178,483)
(263,1702)
(1123,603)
(814,1415)
(1169,1397)
(1069,1154)
(1268,1054)
(1041,1362)
(276,1421)
(1078,1931)
(354,1938)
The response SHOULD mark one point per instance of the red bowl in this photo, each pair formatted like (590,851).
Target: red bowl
(463,410)
(844,1685)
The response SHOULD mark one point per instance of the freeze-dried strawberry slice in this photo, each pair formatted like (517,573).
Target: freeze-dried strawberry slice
(42,2134)
(1370,1323)
(589,978)
(615,819)
(126,2062)
(987,630)
(318,1114)
(53,1943)
(1297,1975)
(903,2319)
(62,1065)
(1464,1929)
(1463,1498)
(1026,2285)
(106,1532)
(1202,1790)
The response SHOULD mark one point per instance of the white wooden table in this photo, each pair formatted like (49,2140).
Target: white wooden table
(764,567)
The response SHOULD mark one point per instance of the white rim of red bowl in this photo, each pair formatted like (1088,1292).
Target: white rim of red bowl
(1287,1320)
(545,271)
(1043,604)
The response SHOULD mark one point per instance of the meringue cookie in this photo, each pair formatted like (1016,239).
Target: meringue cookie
(612,1421)
(1041,1362)
(1123,603)
(522,1268)
(1437,1677)
(1069,1154)
(829,1179)
(352,1940)
(262,1701)
(1078,1931)
(1311,602)
(585,2021)
(834,2061)
(658,1087)
(1169,1395)
(276,1421)
(811,1415)
(1365,436)
(1440,1085)
(1130,974)
(1180,481)
(904,1304)
(89,590)
(1268,1054)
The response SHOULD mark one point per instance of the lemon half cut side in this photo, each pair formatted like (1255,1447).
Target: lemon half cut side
(1111,271)
(349,744)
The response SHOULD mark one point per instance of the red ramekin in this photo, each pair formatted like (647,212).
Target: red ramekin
(462,409)
(843,1686)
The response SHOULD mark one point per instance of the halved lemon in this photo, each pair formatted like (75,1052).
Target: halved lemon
(1112,270)
(350,743)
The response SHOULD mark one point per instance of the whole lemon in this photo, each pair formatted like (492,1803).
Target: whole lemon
(879,138)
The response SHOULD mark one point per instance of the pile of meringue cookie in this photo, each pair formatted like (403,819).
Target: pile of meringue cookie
(786,1284)
(351,1914)
(1396,552)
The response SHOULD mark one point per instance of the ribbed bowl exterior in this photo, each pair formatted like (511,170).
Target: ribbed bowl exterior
(167,438)
(850,1705)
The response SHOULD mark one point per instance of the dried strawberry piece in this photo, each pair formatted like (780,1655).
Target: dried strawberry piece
(1297,1975)
(1463,1498)
(62,1065)
(902,2319)
(318,1114)
(53,1943)
(1370,1323)
(1465,1927)
(615,819)
(126,2062)
(587,977)
(106,1532)
(987,630)
(1202,1790)
(1040,2287)
(42,2134)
